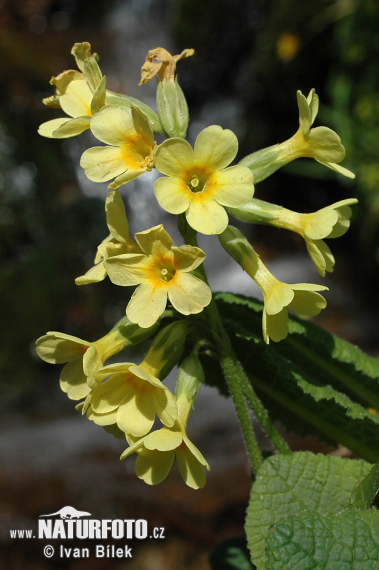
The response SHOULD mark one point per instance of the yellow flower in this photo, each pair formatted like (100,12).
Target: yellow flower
(130,146)
(330,222)
(300,297)
(158,450)
(83,358)
(161,271)
(320,143)
(130,396)
(197,181)
(118,241)
(166,66)
(80,94)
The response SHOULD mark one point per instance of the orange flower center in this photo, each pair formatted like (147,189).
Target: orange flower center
(161,269)
(196,180)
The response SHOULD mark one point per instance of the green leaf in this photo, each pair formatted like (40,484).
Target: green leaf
(347,541)
(313,382)
(289,484)
(231,554)
(364,495)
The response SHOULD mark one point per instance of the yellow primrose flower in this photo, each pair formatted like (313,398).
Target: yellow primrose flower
(330,222)
(130,146)
(164,65)
(300,297)
(78,94)
(320,143)
(118,241)
(161,271)
(130,396)
(158,450)
(197,181)
(83,358)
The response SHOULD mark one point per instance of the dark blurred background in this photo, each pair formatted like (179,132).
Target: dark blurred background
(250,58)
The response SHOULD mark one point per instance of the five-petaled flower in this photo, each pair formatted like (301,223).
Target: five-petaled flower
(161,271)
(130,146)
(83,358)
(130,396)
(158,450)
(330,222)
(116,243)
(197,181)
(80,94)
(300,297)
(321,143)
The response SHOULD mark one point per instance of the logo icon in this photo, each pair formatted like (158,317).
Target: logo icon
(68,513)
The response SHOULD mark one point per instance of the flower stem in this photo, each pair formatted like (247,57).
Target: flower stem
(239,386)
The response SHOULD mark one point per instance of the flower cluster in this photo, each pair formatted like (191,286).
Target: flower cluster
(171,306)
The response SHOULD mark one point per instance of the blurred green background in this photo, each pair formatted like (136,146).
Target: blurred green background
(251,56)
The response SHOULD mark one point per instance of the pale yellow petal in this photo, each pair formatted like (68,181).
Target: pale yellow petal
(195,452)
(154,466)
(76,101)
(277,298)
(102,419)
(206,216)
(338,168)
(172,195)
(101,163)
(174,157)
(73,381)
(188,294)
(320,224)
(146,305)
(56,347)
(149,239)
(305,118)
(108,395)
(321,255)
(307,303)
(163,440)
(136,415)
(72,128)
(277,326)
(187,257)
(233,186)
(142,125)
(127,269)
(93,275)
(191,470)
(127,176)
(112,125)
(325,145)
(165,406)
(47,129)
(215,148)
